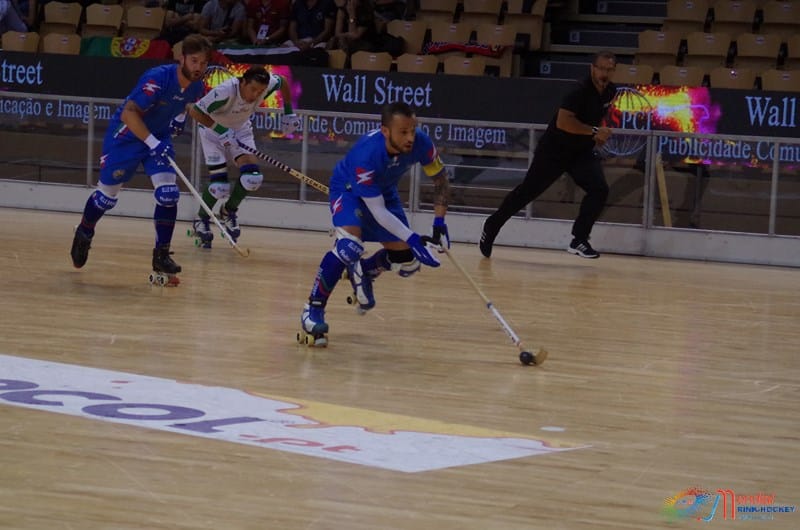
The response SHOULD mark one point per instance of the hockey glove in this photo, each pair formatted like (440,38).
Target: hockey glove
(441,238)
(177,125)
(163,152)
(290,123)
(421,252)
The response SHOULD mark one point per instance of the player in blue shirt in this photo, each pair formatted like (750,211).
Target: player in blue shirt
(366,206)
(140,133)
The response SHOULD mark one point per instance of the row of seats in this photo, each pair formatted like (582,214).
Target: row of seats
(417,32)
(409,62)
(707,50)
(102,20)
(719,77)
(779,17)
(61,43)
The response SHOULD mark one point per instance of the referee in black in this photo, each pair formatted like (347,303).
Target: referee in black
(568,146)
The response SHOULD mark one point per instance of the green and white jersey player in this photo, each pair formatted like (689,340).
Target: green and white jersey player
(224,116)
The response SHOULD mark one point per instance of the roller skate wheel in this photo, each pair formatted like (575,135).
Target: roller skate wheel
(152,278)
(351,300)
(299,338)
(189,232)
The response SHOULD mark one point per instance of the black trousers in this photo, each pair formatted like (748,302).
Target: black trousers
(585,170)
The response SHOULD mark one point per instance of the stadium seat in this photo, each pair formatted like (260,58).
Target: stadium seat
(456,65)
(671,75)
(20,41)
(376,61)
(144,22)
(61,43)
(658,48)
(61,17)
(411,62)
(723,77)
(412,31)
(633,74)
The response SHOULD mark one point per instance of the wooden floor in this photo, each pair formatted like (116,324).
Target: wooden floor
(663,375)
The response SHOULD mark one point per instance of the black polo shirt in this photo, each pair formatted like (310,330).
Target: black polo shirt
(590,107)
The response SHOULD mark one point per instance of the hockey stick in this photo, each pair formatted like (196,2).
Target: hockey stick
(525,356)
(242,252)
(319,186)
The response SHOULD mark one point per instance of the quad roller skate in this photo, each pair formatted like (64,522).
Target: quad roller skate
(165,270)
(80,247)
(201,232)
(362,297)
(313,328)
(231,221)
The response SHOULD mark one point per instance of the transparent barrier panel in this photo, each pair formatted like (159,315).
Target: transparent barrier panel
(43,140)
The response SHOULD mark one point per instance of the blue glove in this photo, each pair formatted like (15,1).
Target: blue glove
(421,252)
(162,151)
(441,237)
(177,125)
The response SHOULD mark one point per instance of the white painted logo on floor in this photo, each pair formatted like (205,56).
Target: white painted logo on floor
(357,436)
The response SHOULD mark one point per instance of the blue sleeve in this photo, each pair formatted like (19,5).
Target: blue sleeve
(149,89)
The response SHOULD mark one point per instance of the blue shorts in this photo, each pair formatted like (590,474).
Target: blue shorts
(120,160)
(349,210)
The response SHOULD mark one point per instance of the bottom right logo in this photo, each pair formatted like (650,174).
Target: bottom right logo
(706,505)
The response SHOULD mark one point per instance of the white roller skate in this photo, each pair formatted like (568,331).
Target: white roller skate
(231,221)
(313,328)
(201,232)
(362,296)
(165,270)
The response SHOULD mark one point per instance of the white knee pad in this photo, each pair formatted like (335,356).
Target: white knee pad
(159,179)
(251,181)
(220,190)
(348,248)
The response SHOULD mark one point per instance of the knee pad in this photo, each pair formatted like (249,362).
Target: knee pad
(219,187)
(102,201)
(167,195)
(348,248)
(251,177)
(403,262)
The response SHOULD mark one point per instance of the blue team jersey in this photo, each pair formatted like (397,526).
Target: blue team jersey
(158,93)
(368,170)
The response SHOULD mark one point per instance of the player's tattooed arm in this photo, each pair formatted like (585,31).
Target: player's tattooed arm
(441,189)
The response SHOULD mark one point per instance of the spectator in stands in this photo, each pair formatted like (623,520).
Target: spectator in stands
(223,20)
(311,23)
(10,18)
(28,10)
(355,28)
(394,9)
(568,146)
(267,22)
(183,18)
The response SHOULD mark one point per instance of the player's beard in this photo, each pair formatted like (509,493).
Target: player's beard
(191,76)
(402,149)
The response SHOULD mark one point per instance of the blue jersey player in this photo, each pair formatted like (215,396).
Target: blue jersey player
(139,133)
(366,206)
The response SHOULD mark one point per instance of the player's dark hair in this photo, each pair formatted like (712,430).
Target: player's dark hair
(604,54)
(256,73)
(390,110)
(196,43)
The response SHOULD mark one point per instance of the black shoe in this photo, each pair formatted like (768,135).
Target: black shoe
(162,262)
(583,249)
(487,239)
(80,247)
